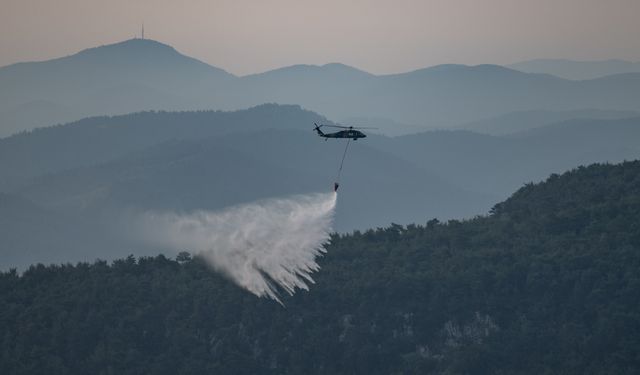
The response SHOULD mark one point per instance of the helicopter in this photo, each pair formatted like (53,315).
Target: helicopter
(349,133)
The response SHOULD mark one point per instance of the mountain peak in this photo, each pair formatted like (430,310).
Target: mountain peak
(458,69)
(131,47)
(331,69)
(139,53)
(339,67)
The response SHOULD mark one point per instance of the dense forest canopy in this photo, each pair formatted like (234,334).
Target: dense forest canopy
(547,283)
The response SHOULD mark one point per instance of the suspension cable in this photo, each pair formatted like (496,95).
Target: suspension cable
(342,161)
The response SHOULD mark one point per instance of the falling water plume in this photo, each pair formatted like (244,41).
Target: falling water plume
(263,246)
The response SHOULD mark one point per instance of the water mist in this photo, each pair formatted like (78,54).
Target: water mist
(264,246)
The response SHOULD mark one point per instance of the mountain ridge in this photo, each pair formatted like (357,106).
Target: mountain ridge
(123,78)
(576,69)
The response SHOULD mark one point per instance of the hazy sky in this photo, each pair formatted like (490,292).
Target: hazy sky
(248,36)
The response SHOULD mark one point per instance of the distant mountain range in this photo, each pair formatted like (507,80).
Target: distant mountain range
(577,70)
(82,175)
(515,122)
(138,74)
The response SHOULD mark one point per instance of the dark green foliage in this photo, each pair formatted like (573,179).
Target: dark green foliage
(547,284)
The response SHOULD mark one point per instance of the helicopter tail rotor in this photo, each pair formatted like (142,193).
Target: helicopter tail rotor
(317,129)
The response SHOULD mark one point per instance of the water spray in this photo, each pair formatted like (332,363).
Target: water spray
(265,247)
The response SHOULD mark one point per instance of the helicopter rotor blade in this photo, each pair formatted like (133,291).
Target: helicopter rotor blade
(349,127)
(338,126)
(354,127)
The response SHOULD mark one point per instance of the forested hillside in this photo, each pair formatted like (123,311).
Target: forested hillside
(547,283)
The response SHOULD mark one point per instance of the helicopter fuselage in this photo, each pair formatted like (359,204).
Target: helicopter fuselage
(353,134)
